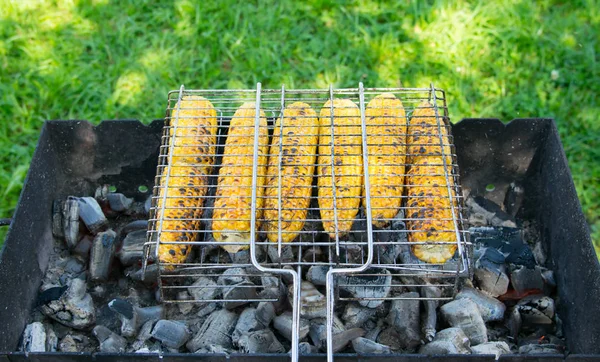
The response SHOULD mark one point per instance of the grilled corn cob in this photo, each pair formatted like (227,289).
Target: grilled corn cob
(347,165)
(231,213)
(194,122)
(386,140)
(429,210)
(424,134)
(297,141)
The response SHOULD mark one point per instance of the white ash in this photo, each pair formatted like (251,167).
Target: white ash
(34,338)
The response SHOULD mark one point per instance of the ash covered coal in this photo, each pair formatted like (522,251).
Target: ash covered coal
(95,298)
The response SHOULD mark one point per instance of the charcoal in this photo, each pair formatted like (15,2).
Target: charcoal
(51,294)
(91,214)
(287,254)
(149,277)
(51,338)
(101,255)
(265,312)
(540,349)
(215,331)
(153,350)
(148,205)
(490,272)
(509,241)
(313,304)
(34,338)
(306,348)
(238,289)
(143,335)
(514,322)
(110,342)
(119,202)
(132,250)
(389,337)
(367,286)
(263,341)
(404,316)
(490,211)
(341,336)
(132,317)
(287,278)
(204,288)
(436,348)
(135,225)
(71,222)
(448,341)
(283,324)
(429,321)
(536,310)
(68,344)
(171,334)
(515,195)
(83,247)
(548,278)
(101,193)
(271,285)
(463,313)
(491,309)
(524,279)
(318,331)
(73,266)
(353,253)
(363,346)
(246,323)
(317,274)
(185,307)
(239,294)
(374,332)
(57,219)
(495,348)
(313,254)
(207,309)
(355,316)
(74,308)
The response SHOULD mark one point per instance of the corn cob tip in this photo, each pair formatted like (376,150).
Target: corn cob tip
(339,103)
(235,236)
(434,254)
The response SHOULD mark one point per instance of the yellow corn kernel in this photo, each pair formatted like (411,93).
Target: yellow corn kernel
(296,142)
(194,123)
(347,165)
(426,135)
(429,211)
(386,145)
(231,212)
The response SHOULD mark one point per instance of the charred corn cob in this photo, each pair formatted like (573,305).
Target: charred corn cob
(429,210)
(194,122)
(386,141)
(297,142)
(347,165)
(424,134)
(231,212)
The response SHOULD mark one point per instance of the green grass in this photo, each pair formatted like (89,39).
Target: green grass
(117,59)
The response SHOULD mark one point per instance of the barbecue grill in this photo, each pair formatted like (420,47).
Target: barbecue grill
(359,252)
(73,157)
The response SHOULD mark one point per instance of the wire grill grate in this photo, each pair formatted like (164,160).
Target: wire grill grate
(367,230)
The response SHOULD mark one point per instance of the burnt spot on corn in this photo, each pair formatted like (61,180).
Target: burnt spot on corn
(298,157)
(346,143)
(195,127)
(232,207)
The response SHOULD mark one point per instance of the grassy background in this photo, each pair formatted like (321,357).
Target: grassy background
(106,59)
